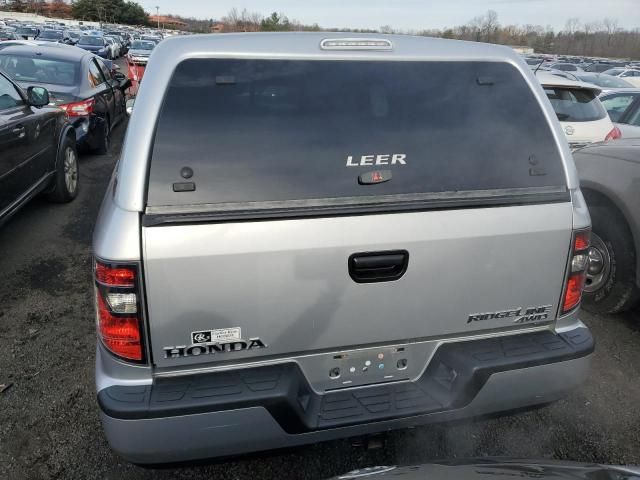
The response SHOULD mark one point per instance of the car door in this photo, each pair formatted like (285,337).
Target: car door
(118,94)
(102,92)
(629,124)
(23,145)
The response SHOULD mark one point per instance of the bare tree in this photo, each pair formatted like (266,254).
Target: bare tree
(475,28)
(571,26)
(244,21)
(611,25)
(490,25)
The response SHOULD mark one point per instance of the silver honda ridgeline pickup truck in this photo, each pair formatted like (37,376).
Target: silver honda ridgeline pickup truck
(310,237)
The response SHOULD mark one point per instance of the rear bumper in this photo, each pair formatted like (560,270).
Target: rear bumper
(226,413)
(88,131)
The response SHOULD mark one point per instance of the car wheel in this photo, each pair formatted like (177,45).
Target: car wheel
(611,277)
(65,181)
(105,138)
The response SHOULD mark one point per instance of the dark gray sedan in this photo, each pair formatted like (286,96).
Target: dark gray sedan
(610,181)
(78,82)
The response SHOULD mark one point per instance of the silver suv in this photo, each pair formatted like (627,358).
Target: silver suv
(310,237)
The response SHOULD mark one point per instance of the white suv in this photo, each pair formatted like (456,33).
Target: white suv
(583,118)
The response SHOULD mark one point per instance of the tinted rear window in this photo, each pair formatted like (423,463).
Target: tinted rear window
(95,41)
(268,130)
(49,34)
(40,70)
(575,105)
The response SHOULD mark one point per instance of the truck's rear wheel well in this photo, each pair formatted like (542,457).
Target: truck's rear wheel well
(598,199)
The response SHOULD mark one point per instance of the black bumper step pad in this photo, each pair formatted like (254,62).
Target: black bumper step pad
(454,376)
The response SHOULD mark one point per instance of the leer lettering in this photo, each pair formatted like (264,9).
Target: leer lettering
(370,160)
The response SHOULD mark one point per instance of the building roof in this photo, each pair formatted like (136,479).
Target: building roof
(167,20)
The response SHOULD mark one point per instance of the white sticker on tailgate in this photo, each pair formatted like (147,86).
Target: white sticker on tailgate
(218,335)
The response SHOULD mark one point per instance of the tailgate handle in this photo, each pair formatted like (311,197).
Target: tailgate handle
(369,267)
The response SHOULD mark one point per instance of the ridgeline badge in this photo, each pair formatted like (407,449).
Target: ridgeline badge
(532,314)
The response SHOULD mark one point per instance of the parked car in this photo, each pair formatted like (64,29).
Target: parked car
(598,67)
(618,102)
(582,117)
(95,44)
(78,82)
(607,83)
(114,49)
(152,38)
(141,51)
(6,35)
(55,36)
(559,73)
(124,44)
(533,62)
(74,36)
(381,293)
(37,149)
(28,33)
(35,43)
(629,74)
(565,67)
(629,120)
(610,182)
(487,468)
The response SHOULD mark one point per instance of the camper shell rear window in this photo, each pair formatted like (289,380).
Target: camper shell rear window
(238,132)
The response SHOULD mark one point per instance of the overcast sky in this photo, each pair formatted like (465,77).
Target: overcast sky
(413,14)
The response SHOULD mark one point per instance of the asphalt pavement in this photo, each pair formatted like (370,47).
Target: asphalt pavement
(49,425)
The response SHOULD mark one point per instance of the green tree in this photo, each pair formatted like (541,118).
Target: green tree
(133,14)
(116,11)
(276,22)
(17,5)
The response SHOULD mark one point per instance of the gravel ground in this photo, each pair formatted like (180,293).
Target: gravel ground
(49,426)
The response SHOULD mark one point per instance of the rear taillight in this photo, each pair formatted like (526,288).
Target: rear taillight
(79,109)
(577,270)
(614,134)
(119,321)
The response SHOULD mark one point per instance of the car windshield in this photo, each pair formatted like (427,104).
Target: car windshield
(39,70)
(95,41)
(142,45)
(605,81)
(74,34)
(614,71)
(575,104)
(51,34)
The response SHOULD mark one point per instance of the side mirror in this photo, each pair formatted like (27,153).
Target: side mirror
(129,107)
(38,96)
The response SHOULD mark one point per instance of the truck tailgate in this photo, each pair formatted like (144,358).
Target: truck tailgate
(287,282)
